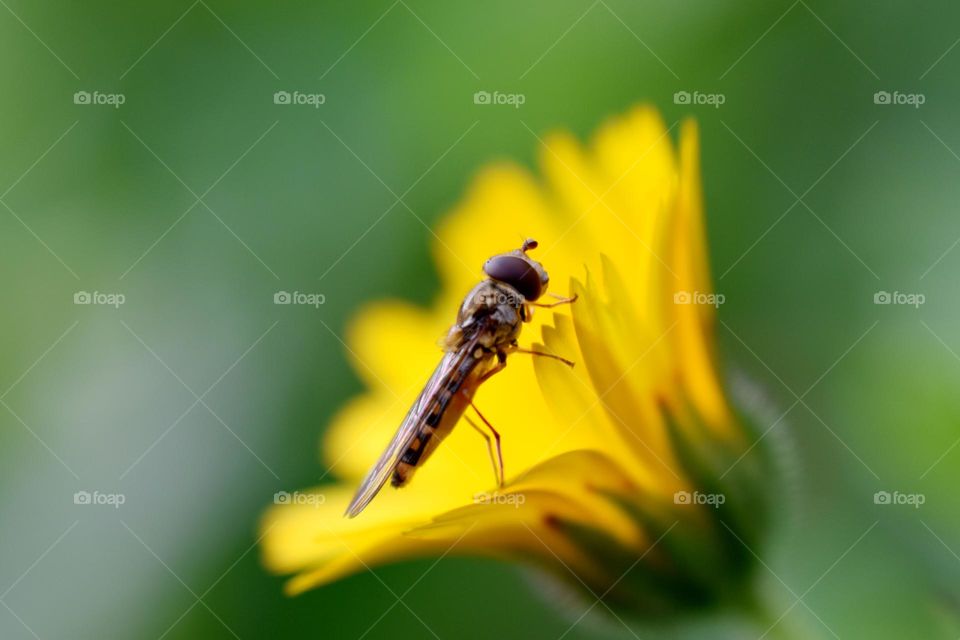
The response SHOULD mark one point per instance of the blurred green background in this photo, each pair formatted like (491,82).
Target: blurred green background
(199,197)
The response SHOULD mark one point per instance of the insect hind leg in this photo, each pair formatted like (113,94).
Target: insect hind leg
(498,469)
(497,368)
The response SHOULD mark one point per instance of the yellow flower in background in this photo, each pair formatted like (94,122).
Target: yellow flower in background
(630,475)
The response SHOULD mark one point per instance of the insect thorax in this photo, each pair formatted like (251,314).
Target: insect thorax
(494,305)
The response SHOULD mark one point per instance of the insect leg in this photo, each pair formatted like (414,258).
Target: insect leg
(493,460)
(531,352)
(560,300)
(496,436)
(500,366)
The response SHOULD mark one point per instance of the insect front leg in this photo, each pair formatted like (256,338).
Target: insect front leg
(560,300)
(499,471)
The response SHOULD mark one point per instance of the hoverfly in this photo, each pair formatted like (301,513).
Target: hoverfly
(475,348)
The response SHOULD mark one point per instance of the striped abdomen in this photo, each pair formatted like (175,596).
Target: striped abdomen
(441,414)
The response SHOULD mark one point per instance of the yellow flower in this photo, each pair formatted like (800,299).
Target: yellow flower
(631,474)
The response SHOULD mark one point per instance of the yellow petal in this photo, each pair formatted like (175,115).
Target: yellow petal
(619,223)
(408,334)
(316,539)
(695,322)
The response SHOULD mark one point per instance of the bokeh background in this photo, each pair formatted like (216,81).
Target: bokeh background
(199,197)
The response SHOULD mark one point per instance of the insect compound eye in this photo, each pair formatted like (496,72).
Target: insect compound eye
(516,272)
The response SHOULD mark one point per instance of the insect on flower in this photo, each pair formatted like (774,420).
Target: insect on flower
(476,347)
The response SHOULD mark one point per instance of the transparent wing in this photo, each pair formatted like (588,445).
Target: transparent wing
(408,430)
